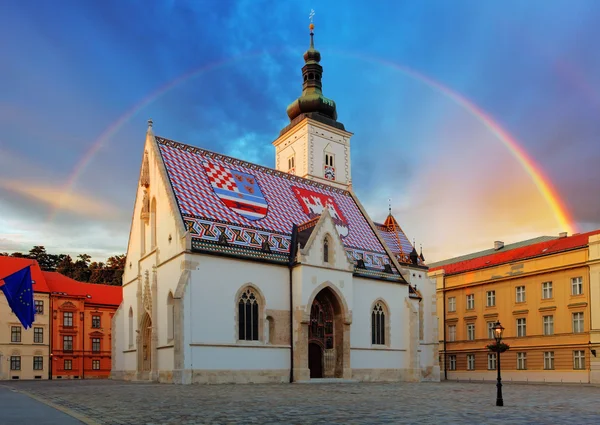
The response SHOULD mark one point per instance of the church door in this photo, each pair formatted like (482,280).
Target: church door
(315,360)
(320,337)
(146,343)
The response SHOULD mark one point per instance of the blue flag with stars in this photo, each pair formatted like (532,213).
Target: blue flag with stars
(18,289)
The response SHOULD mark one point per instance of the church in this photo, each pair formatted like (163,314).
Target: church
(239,273)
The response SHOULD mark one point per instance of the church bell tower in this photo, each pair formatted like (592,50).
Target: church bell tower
(314,145)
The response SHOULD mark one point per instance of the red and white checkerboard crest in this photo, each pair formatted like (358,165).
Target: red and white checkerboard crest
(239,191)
(313,204)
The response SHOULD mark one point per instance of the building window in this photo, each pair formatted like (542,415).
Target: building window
(470,302)
(378,325)
(96,345)
(548,325)
(96,322)
(520,297)
(248,316)
(490,329)
(521,361)
(95,364)
(521,327)
(38,335)
(492,361)
(15,362)
(15,334)
(546,290)
(452,304)
(549,360)
(452,333)
(578,359)
(68,365)
(578,322)
(39,306)
(452,362)
(38,363)
(68,318)
(491,299)
(291,164)
(329,159)
(577,286)
(67,342)
(170,317)
(471,331)
(130,327)
(470,361)
(326,251)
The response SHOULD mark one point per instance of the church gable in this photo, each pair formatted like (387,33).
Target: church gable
(323,247)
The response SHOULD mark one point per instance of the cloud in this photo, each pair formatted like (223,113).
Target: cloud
(55,197)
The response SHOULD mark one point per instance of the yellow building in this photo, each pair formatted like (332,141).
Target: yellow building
(542,292)
(24,353)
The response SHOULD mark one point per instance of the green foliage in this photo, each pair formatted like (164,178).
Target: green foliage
(82,270)
(498,348)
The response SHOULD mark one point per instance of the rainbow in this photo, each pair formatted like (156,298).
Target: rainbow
(541,181)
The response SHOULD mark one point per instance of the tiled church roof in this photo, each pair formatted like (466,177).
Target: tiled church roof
(233,206)
(395,238)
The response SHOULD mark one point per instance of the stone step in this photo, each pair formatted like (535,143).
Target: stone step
(328,381)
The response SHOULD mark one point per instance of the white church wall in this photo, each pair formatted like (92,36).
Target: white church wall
(211,321)
(324,139)
(240,358)
(294,144)
(312,278)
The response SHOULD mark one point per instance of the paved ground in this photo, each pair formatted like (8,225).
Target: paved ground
(117,403)
(19,409)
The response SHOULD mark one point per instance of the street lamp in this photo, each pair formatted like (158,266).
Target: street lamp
(498,330)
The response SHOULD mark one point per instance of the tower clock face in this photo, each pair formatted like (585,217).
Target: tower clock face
(329,173)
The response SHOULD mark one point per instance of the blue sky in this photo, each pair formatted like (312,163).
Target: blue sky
(70,70)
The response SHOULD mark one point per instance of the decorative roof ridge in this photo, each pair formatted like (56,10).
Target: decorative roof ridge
(194,149)
(310,223)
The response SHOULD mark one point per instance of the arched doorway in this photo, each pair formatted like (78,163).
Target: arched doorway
(146,332)
(325,336)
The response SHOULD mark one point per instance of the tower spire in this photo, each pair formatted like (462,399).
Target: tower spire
(312,103)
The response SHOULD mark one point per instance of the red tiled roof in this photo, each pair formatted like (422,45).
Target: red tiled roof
(10,265)
(536,250)
(94,293)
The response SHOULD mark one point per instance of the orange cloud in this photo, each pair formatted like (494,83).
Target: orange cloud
(54,196)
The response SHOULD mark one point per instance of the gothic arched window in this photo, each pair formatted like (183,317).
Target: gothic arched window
(130,325)
(248,317)
(378,324)
(326,251)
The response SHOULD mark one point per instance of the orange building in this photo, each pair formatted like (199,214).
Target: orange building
(545,293)
(81,337)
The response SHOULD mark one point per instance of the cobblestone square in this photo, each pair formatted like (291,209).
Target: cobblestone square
(116,403)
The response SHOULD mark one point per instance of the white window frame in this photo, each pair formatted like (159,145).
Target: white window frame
(470,301)
(471,331)
(520,294)
(547,290)
(451,304)
(490,297)
(548,325)
(451,333)
(452,362)
(521,327)
(521,361)
(491,361)
(548,360)
(490,329)
(577,321)
(577,285)
(470,361)
(578,359)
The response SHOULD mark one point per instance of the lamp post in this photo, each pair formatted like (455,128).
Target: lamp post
(498,330)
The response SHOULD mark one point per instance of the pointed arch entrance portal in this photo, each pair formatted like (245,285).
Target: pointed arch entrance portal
(326,335)
(146,343)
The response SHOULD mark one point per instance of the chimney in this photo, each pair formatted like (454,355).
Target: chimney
(498,245)
(562,235)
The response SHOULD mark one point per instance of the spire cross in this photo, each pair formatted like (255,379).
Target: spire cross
(311,15)
(390,205)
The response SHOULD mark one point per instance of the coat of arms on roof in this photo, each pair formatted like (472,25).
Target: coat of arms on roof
(313,204)
(239,191)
